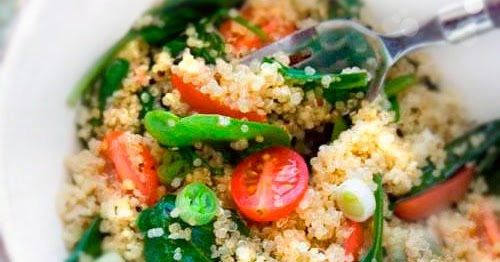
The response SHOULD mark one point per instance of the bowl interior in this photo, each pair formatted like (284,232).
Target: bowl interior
(57,40)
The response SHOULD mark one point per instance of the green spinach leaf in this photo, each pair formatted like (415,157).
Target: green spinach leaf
(112,80)
(90,243)
(375,253)
(160,248)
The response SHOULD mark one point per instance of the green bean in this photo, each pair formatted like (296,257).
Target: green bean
(173,131)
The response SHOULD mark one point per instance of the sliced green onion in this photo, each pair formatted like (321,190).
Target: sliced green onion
(197,204)
(356,200)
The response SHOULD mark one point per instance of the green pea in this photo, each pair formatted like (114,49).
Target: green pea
(197,204)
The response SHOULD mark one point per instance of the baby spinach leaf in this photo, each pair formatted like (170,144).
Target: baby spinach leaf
(340,88)
(162,248)
(471,147)
(90,243)
(93,74)
(173,131)
(112,80)
(175,15)
(375,253)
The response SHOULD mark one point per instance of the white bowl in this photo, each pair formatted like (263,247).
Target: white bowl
(57,40)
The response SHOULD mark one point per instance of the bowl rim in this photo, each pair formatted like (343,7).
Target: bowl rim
(19,29)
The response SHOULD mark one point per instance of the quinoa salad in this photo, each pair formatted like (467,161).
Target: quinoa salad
(188,154)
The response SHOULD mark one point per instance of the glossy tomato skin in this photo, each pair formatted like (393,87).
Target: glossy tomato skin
(436,198)
(269,184)
(202,103)
(145,178)
(354,242)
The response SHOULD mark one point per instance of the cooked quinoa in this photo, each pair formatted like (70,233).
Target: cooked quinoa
(377,142)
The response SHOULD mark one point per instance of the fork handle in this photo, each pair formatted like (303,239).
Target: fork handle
(463,21)
(494,11)
(453,24)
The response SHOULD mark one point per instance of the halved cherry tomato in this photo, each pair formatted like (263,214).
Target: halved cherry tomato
(144,176)
(243,39)
(436,198)
(269,184)
(202,103)
(354,242)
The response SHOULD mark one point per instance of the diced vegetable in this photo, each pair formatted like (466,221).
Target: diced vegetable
(269,184)
(354,242)
(202,103)
(375,253)
(173,131)
(356,200)
(112,80)
(90,242)
(143,175)
(154,223)
(436,198)
(197,204)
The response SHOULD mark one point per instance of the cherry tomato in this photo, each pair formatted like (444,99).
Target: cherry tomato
(269,184)
(354,242)
(436,198)
(202,103)
(144,176)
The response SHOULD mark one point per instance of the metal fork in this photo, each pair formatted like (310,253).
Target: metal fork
(333,45)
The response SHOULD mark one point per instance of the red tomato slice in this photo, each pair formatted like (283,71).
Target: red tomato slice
(144,177)
(202,103)
(354,242)
(436,198)
(269,184)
